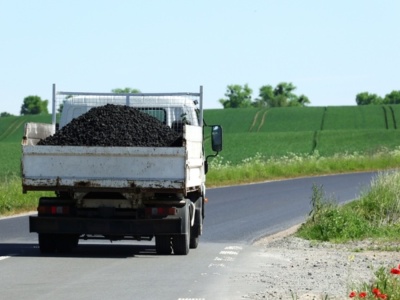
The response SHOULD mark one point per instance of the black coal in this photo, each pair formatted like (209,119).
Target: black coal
(115,126)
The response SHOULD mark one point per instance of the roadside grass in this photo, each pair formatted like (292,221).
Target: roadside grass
(376,214)
(12,201)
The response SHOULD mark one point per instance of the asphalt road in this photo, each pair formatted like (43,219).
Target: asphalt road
(235,217)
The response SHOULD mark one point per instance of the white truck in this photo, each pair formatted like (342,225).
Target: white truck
(118,193)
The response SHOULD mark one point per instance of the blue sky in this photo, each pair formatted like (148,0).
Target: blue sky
(330,50)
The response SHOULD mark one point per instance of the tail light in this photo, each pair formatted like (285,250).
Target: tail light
(161,211)
(53,210)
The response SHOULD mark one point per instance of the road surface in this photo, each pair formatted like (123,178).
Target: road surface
(235,217)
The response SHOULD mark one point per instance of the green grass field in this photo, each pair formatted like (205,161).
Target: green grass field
(240,146)
(10,160)
(300,130)
(360,141)
(233,120)
(356,117)
(292,119)
(12,128)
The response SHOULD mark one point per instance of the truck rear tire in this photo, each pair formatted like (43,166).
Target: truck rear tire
(196,229)
(47,243)
(194,242)
(66,242)
(180,243)
(61,243)
(163,244)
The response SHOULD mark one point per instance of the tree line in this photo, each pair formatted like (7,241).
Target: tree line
(282,95)
(34,105)
(366,98)
(236,96)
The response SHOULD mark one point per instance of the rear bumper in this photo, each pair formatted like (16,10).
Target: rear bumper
(93,226)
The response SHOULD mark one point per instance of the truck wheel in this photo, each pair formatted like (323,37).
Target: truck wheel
(163,244)
(66,242)
(196,229)
(75,240)
(47,243)
(194,242)
(180,243)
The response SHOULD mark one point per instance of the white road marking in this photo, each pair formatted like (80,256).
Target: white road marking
(4,257)
(227,258)
(233,248)
(226,255)
(229,253)
(216,265)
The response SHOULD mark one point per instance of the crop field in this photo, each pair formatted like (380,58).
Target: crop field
(395,111)
(240,146)
(328,130)
(356,141)
(292,119)
(233,120)
(359,117)
(12,128)
(11,133)
(10,159)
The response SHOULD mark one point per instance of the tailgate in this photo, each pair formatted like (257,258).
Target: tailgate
(90,168)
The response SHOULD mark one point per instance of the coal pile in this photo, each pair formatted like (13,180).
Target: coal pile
(115,126)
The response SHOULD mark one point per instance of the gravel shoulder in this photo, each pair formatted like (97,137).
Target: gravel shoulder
(293,268)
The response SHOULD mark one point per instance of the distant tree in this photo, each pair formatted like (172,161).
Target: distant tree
(237,96)
(266,97)
(285,89)
(392,98)
(5,114)
(126,90)
(34,105)
(280,96)
(366,98)
(299,101)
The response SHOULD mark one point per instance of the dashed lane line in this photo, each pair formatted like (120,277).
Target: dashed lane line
(4,257)
(225,257)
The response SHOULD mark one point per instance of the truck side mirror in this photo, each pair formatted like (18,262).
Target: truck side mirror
(216,138)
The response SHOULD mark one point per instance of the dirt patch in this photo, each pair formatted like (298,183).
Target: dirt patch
(294,268)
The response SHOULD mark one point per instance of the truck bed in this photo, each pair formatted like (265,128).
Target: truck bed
(81,168)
